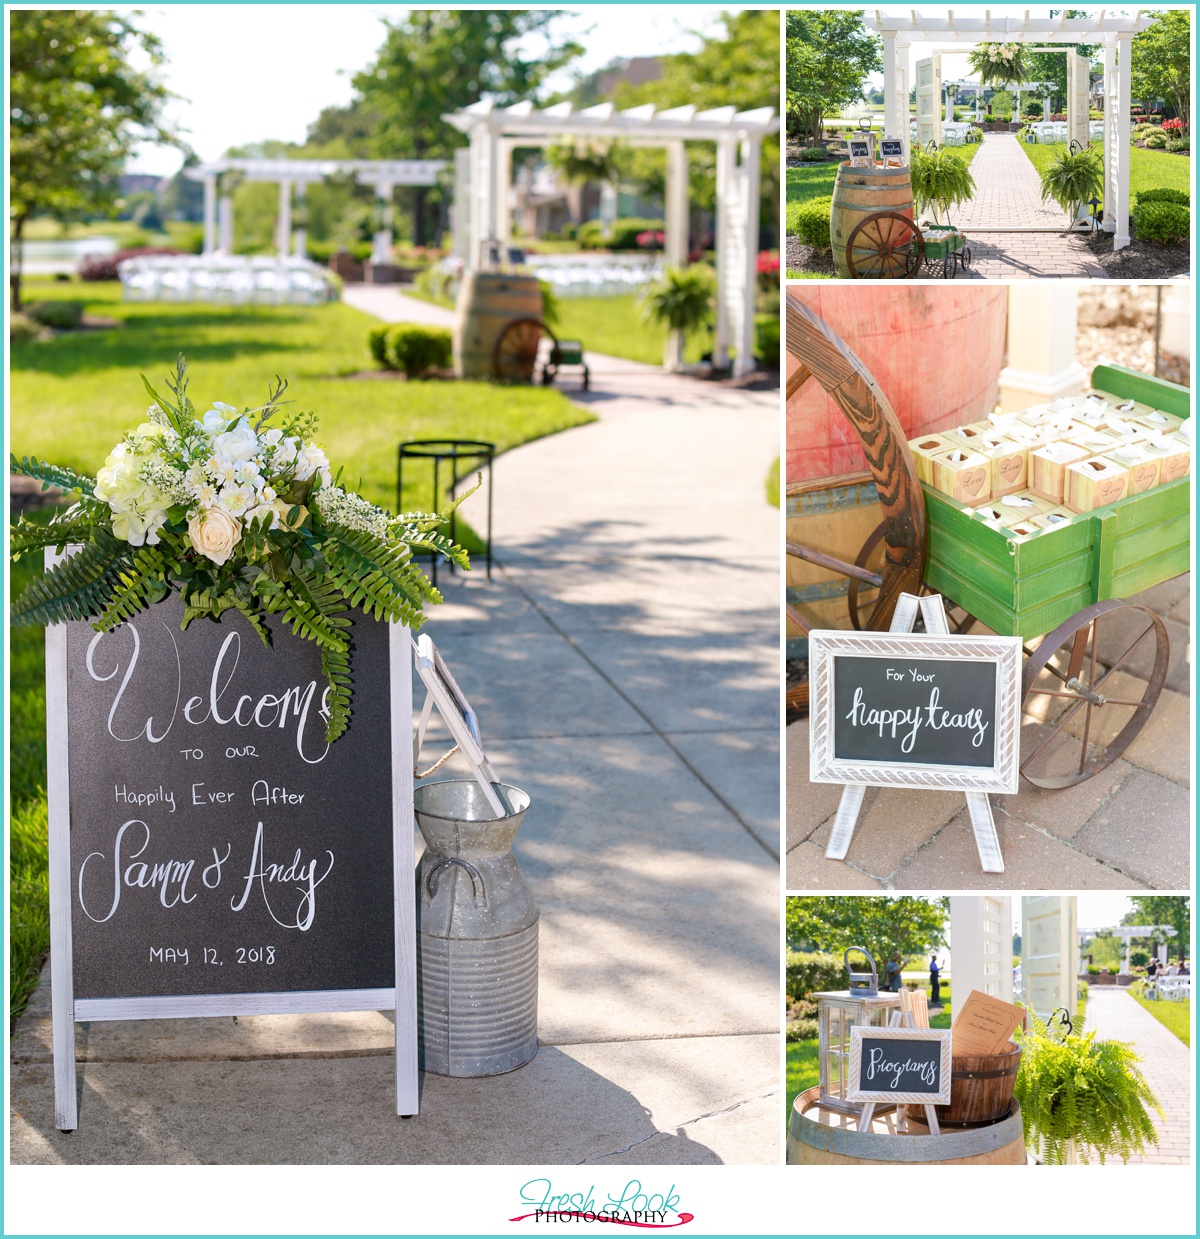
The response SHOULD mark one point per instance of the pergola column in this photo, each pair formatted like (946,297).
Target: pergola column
(483,196)
(1042,319)
(225,223)
(1124,58)
(300,236)
(283,225)
(726,169)
(1110,133)
(210,212)
(675,231)
(382,248)
(746,281)
(895,124)
(504,150)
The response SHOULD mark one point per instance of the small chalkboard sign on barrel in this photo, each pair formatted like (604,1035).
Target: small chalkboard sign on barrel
(891,148)
(915,711)
(210,852)
(900,1065)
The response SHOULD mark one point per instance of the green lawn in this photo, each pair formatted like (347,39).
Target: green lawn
(1147,169)
(803,1071)
(73,397)
(1176,1017)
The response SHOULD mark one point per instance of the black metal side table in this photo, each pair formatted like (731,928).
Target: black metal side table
(474,455)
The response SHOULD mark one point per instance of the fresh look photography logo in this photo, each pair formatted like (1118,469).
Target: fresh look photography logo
(633,1205)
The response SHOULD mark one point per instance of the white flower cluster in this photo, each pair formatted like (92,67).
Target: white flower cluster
(1001,51)
(221,469)
(351,511)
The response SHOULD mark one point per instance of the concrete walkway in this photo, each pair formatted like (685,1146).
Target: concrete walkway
(624,662)
(1166,1063)
(1008,196)
(1126,828)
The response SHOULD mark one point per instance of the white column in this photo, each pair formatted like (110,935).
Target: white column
(1049,938)
(1045,109)
(300,236)
(726,164)
(1125,962)
(1121,206)
(608,208)
(1110,134)
(981,954)
(225,224)
(504,149)
(210,212)
(283,226)
(381,251)
(460,210)
(751,151)
(484,157)
(675,232)
(1042,319)
(892,114)
(950,93)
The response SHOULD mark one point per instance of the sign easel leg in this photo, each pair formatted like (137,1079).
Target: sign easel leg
(868,1113)
(846,820)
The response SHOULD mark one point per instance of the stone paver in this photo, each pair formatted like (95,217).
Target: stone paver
(1166,1063)
(624,661)
(1008,196)
(1126,827)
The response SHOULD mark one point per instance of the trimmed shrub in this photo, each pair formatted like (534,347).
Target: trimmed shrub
(813,154)
(60,315)
(1138,959)
(1179,144)
(1181,197)
(812,222)
(766,340)
(1162,223)
(377,344)
(588,235)
(810,972)
(417,349)
(568,231)
(104,266)
(1156,141)
(22,328)
(625,232)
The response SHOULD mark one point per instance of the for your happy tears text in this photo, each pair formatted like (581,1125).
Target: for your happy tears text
(907,721)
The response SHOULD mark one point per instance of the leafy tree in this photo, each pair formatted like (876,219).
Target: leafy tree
(881,923)
(1162,63)
(77,110)
(437,61)
(829,55)
(1172,910)
(1051,67)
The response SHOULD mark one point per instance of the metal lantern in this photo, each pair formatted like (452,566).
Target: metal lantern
(838,1011)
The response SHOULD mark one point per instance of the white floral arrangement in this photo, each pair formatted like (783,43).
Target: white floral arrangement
(998,64)
(231,514)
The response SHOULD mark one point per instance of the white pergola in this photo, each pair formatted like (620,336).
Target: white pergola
(1127,932)
(964,28)
(298,174)
(483,174)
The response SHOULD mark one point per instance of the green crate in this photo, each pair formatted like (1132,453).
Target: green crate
(942,242)
(1027,587)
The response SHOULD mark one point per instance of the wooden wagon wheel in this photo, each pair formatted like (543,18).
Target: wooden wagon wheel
(514,356)
(895,248)
(1073,726)
(825,356)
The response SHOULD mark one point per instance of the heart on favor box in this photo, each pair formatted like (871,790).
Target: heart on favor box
(971,481)
(1175,468)
(1010,468)
(1109,491)
(1143,477)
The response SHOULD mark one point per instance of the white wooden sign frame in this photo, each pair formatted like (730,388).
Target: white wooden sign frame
(67,1010)
(871,1097)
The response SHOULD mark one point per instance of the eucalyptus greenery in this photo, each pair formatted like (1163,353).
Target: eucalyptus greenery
(940,180)
(1073,179)
(1077,1092)
(231,514)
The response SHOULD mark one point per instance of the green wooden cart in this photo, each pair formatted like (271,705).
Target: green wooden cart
(1062,591)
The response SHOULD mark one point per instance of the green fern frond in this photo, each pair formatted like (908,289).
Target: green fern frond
(75,525)
(76,588)
(335,665)
(140,585)
(52,475)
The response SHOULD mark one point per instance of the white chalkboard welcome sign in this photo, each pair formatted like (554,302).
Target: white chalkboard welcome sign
(915,710)
(210,852)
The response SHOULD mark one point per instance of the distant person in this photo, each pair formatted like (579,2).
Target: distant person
(1183,968)
(895,970)
(1152,969)
(1173,968)
(935,982)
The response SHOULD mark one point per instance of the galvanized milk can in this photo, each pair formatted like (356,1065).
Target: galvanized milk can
(862,984)
(477,933)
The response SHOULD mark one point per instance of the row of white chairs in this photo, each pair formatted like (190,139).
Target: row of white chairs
(592,280)
(1172,989)
(235,280)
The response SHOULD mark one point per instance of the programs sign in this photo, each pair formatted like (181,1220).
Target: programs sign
(915,711)
(899,1065)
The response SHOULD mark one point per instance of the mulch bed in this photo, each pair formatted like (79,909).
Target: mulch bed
(1139,260)
(801,257)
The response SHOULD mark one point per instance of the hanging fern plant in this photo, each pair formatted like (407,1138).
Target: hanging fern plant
(940,181)
(1083,1094)
(1073,179)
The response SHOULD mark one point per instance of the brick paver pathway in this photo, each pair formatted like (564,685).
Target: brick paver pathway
(1008,195)
(1166,1063)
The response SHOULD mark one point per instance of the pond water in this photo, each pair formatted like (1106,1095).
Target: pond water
(62,257)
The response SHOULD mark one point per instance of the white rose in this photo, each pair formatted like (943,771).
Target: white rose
(309,460)
(240,443)
(272,437)
(215,533)
(285,452)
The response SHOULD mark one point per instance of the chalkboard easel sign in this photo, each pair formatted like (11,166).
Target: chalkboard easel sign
(899,1066)
(210,853)
(906,710)
(860,152)
(891,148)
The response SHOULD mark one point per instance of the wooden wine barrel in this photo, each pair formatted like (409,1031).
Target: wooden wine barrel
(981,1088)
(487,302)
(820,1137)
(859,192)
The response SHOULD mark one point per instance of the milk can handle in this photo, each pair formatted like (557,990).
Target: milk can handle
(863,951)
(477,887)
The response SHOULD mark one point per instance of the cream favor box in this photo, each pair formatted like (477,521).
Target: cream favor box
(925,448)
(964,475)
(1145,466)
(1174,451)
(1048,465)
(1009,463)
(1095,482)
